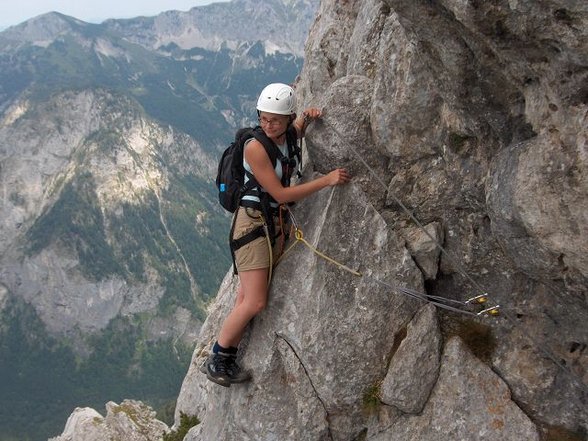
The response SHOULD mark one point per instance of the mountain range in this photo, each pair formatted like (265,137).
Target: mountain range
(441,294)
(111,241)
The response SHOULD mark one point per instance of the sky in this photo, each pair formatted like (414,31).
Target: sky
(13,12)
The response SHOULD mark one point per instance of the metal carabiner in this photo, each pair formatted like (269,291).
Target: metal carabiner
(292,218)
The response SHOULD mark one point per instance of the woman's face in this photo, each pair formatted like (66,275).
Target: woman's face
(273,124)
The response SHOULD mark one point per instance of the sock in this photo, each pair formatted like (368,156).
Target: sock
(218,349)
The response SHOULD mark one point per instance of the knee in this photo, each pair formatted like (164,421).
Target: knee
(259,306)
(255,307)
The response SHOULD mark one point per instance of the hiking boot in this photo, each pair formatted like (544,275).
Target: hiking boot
(236,373)
(216,369)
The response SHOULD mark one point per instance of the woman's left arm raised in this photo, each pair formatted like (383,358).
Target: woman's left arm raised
(302,121)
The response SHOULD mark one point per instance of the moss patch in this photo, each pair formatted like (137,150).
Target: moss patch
(186,423)
(372,398)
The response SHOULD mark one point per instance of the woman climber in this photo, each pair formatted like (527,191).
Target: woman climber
(278,123)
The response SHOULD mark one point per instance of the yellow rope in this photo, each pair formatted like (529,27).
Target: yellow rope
(271,257)
(300,238)
(481,299)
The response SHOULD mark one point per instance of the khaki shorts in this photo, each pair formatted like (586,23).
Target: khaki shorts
(255,254)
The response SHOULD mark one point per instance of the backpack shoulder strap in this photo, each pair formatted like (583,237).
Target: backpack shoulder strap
(275,154)
(270,147)
(241,138)
(292,142)
(273,151)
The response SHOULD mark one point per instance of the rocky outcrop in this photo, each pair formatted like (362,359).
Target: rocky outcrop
(471,118)
(465,387)
(131,420)
(413,370)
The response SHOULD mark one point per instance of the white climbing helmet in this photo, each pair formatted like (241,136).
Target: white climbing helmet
(277,98)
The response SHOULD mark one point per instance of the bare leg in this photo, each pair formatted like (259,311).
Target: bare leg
(238,300)
(254,299)
(239,297)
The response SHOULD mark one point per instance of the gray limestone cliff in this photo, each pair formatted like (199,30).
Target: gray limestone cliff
(473,116)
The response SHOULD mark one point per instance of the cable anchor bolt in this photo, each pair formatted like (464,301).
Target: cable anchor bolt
(481,299)
(494,310)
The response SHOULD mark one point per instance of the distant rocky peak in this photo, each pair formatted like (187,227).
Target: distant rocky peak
(281,24)
(44,28)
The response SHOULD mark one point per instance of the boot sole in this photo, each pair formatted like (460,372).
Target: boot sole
(243,380)
(219,381)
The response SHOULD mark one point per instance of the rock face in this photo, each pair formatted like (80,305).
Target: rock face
(417,357)
(471,118)
(465,387)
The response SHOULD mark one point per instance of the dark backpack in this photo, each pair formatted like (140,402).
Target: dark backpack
(230,176)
